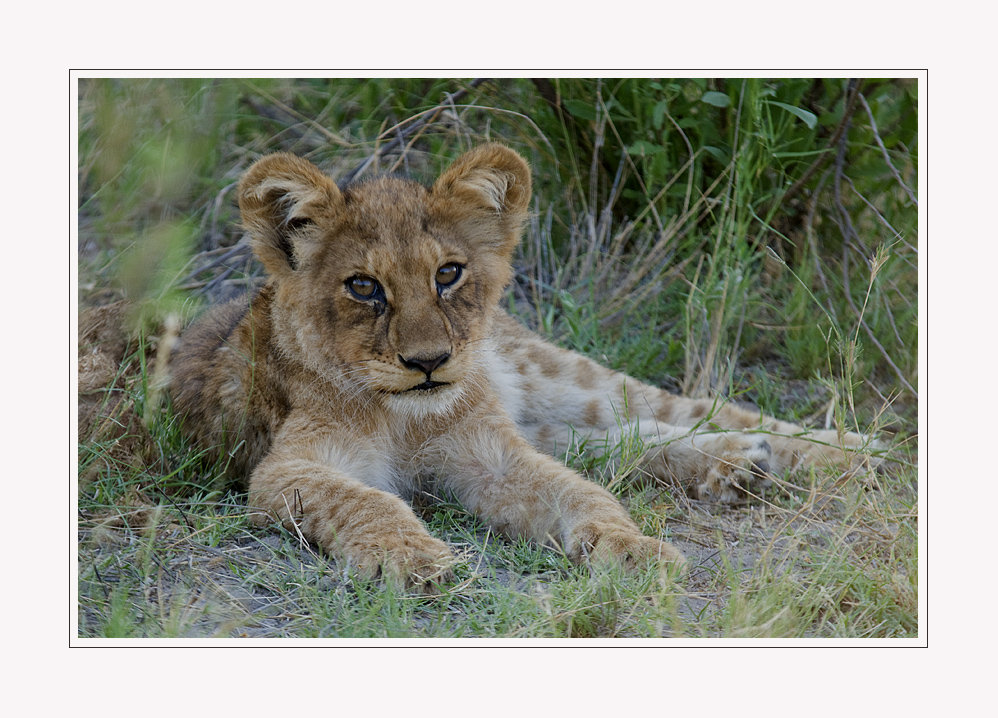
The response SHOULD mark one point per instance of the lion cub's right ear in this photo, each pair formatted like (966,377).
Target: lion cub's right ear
(282,198)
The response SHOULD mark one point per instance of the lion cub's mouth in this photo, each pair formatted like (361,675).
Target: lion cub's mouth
(427,386)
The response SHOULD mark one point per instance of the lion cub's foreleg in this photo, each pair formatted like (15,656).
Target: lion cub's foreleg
(520,492)
(307,480)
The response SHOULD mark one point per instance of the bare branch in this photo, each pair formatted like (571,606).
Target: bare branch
(849,235)
(402,134)
(854,86)
(887,158)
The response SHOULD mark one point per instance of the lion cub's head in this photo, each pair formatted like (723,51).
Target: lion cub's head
(384,288)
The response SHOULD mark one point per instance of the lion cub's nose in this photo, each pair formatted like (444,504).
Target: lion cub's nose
(424,365)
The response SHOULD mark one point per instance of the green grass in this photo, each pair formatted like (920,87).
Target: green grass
(663,243)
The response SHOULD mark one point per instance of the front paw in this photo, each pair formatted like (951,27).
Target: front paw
(415,562)
(738,465)
(630,549)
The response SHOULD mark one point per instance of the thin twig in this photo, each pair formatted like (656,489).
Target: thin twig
(400,138)
(187,521)
(849,234)
(637,175)
(813,242)
(883,351)
(887,158)
(270,114)
(234,251)
(325,131)
(853,87)
(883,220)
(302,541)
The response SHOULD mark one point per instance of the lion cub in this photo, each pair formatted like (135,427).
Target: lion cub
(377,355)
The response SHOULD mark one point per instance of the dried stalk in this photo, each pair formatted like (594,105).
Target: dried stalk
(887,158)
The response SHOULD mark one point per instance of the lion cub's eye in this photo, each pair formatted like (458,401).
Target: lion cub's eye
(448,274)
(363,287)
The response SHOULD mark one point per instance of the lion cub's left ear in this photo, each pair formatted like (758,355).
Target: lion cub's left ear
(282,197)
(487,191)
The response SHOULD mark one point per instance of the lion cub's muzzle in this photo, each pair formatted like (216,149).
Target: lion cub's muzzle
(427,366)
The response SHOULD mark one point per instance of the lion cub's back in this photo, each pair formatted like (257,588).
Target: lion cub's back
(220,384)
(541,383)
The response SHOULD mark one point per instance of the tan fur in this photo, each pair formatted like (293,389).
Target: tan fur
(335,403)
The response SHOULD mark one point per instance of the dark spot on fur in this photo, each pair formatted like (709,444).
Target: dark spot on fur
(698,411)
(585,374)
(591,415)
(542,361)
(544,437)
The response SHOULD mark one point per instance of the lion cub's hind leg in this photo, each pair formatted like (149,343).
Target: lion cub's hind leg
(562,401)
(796,449)
(711,466)
(716,451)
(793,448)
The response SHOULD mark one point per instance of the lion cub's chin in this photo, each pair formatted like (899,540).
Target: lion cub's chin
(417,403)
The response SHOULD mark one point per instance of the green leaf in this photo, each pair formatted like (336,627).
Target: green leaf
(717,99)
(641,148)
(809,153)
(718,154)
(580,109)
(658,114)
(808,117)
